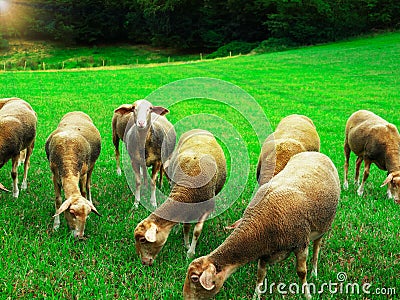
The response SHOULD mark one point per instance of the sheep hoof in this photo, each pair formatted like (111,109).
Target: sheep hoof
(119,172)
(314,273)
(256,296)
(136,205)
(345,185)
(360,192)
(56,226)
(190,254)
(24,185)
(15,193)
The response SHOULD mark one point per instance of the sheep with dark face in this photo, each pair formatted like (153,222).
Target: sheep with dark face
(197,169)
(119,122)
(373,140)
(72,150)
(295,207)
(17,134)
(150,139)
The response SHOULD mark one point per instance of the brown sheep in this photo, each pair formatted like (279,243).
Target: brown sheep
(373,140)
(17,133)
(119,122)
(197,170)
(294,134)
(297,206)
(72,150)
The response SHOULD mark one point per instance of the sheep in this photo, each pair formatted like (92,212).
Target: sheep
(18,123)
(119,122)
(197,170)
(150,139)
(297,206)
(72,150)
(373,140)
(294,134)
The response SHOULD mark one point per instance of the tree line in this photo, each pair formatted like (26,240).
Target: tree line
(196,24)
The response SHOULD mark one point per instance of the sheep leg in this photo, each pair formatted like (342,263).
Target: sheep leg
(154,171)
(117,154)
(316,247)
(89,184)
(358,166)
(28,154)
(14,175)
(196,233)
(160,179)
(82,185)
(346,164)
(186,229)
(301,268)
(136,170)
(367,164)
(58,202)
(261,272)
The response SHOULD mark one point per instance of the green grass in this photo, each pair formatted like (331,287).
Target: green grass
(326,83)
(25,55)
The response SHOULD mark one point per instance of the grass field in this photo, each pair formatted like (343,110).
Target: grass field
(326,83)
(25,55)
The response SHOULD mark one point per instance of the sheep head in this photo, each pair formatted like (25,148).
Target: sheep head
(141,110)
(393,182)
(203,280)
(76,210)
(149,240)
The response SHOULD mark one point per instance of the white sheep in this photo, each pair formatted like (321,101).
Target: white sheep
(373,140)
(72,150)
(197,170)
(297,206)
(17,134)
(150,138)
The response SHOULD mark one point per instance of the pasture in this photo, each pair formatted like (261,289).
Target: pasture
(326,83)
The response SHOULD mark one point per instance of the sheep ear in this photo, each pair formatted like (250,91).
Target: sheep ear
(94,209)
(151,233)
(387,180)
(66,204)
(2,187)
(124,109)
(159,110)
(207,277)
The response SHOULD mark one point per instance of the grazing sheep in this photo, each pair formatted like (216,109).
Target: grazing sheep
(197,170)
(294,134)
(17,133)
(373,140)
(72,150)
(297,206)
(119,122)
(150,137)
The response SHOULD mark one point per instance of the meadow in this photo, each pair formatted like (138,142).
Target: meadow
(326,83)
(26,55)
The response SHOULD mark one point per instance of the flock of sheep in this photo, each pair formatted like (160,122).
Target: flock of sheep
(294,205)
